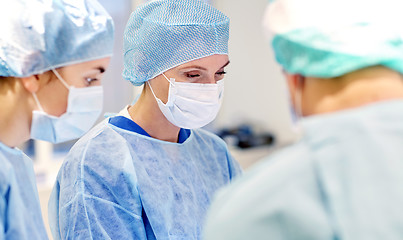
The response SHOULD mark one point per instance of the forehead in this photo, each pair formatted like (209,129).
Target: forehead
(88,65)
(213,61)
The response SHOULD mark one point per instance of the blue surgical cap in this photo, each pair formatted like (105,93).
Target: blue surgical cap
(39,35)
(327,38)
(163,34)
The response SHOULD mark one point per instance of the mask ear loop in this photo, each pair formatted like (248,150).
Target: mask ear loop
(171,83)
(298,109)
(298,97)
(61,79)
(298,102)
(152,91)
(148,82)
(37,102)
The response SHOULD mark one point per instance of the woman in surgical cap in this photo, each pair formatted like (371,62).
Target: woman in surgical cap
(150,172)
(52,58)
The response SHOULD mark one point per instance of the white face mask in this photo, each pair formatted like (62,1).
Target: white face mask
(191,105)
(83,109)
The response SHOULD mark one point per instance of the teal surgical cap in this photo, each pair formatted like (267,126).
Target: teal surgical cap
(39,35)
(328,38)
(163,34)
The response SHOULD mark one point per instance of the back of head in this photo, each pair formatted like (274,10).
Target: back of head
(39,35)
(328,38)
(163,34)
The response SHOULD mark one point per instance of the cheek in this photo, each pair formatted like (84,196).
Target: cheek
(163,92)
(54,100)
(80,83)
(161,88)
(60,105)
(219,77)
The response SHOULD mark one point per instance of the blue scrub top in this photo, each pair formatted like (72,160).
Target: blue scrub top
(20,212)
(119,183)
(130,125)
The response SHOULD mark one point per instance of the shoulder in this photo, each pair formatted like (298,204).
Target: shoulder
(212,145)
(208,137)
(5,176)
(95,135)
(100,143)
(99,162)
(271,187)
(275,170)
(218,151)
(6,173)
(274,177)
(205,133)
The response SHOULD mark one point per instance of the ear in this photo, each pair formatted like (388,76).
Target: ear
(294,82)
(31,83)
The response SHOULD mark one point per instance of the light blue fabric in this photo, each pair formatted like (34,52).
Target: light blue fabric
(343,180)
(163,34)
(20,212)
(39,35)
(117,184)
(327,38)
(310,52)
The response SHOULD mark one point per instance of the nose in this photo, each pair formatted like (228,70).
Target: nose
(212,80)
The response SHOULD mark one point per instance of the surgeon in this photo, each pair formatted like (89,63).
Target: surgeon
(150,172)
(343,61)
(52,58)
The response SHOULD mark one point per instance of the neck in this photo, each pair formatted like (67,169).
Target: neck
(353,90)
(16,115)
(146,113)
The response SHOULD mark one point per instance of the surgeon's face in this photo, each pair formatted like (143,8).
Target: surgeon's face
(205,70)
(53,95)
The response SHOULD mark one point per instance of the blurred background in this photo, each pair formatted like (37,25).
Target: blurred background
(255,116)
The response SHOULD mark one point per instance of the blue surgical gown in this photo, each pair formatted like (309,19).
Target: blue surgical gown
(343,180)
(20,212)
(120,184)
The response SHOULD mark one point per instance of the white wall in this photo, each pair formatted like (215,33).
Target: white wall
(118,92)
(255,90)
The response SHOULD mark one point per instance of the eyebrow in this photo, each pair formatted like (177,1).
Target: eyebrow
(101,69)
(225,64)
(202,68)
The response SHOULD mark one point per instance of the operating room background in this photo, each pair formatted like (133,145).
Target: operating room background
(255,90)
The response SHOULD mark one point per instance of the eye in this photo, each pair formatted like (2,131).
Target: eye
(189,75)
(192,74)
(222,73)
(89,81)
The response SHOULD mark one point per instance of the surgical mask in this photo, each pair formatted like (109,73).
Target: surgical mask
(83,109)
(191,105)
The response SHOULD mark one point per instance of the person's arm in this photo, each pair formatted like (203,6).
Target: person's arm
(278,198)
(3,205)
(85,216)
(96,195)
(235,169)
(89,217)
